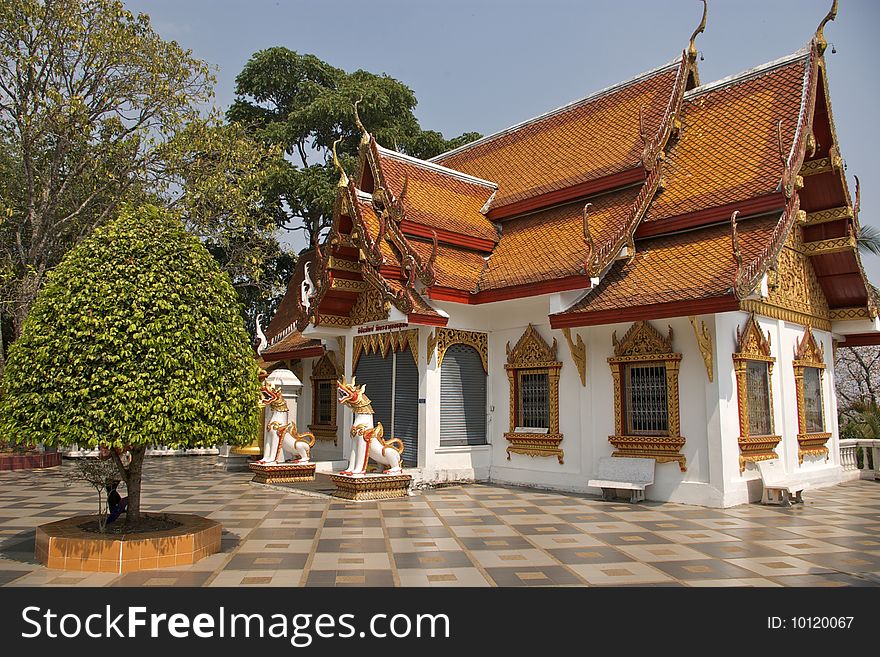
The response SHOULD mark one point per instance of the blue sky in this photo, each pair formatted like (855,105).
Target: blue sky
(484,65)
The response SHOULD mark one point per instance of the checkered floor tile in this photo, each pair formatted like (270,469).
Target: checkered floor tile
(471,535)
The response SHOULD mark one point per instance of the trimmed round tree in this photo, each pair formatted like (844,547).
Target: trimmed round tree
(136,339)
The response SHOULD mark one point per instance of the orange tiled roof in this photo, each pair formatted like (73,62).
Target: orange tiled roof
(728,149)
(455,267)
(439,198)
(589,139)
(550,244)
(294,340)
(287,309)
(365,205)
(420,306)
(685,266)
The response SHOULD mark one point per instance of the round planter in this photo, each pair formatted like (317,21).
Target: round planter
(63,544)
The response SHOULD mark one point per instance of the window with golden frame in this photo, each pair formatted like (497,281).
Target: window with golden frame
(809,368)
(753,365)
(533,375)
(324,376)
(647,422)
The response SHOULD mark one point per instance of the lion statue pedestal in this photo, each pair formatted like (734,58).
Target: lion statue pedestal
(368,442)
(286,452)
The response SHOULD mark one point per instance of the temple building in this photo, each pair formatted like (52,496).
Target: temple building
(662,269)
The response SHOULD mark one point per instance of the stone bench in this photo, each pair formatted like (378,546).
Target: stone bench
(632,474)
(779,488)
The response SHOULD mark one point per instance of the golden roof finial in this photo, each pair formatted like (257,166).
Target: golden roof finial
(734,236)
(821,43)
(365,136)
(343,179)
(692,48)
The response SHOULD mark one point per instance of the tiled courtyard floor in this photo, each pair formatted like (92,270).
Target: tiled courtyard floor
(475,535)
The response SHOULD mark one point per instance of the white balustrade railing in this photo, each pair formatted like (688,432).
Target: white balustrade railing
(870,457)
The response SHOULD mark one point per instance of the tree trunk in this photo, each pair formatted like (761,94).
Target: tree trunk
(135,471)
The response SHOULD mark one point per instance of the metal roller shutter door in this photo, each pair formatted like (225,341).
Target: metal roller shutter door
(376,372)
(462,397)
(406,406)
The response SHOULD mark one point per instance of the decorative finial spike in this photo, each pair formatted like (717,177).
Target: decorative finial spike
(821,43)
(858,203)
(587,235)
(343,179)
(692,48)
(737,254)
(357,116)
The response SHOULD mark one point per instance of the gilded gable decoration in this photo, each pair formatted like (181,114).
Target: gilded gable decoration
(809,354)
(646,351)
(370,306)
(445,338)
(704,342)
(531,351)
(578,354)
(753,345)
(382,343)
(642,341)
(533,357)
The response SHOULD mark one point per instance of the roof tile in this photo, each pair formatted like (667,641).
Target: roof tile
(596,137)
(728,149)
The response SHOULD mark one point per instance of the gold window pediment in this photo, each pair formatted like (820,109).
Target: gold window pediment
(643,341)
(752,344)
(809,353)
(644,344)
(533,355)
(531,351)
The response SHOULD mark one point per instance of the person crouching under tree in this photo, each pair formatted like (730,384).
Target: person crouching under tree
(115,503)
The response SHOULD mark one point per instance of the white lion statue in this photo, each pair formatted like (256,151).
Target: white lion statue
(366,439)
(282,442)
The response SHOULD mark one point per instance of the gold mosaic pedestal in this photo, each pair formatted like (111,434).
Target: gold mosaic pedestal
(282,473)
(371,486)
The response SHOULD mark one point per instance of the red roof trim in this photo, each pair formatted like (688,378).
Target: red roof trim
(440,293)
(757,205)
(304,352)
(587,188)
(427,320)
(861,340)
(533,289)
(650,311)
(410,228)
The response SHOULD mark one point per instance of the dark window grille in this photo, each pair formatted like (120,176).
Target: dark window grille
(534,400)
(645,402)
(325,402)
(813,400)
(758,393)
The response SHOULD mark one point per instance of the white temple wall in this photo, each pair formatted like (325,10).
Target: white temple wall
(586,413)
(746,487)
(708,410)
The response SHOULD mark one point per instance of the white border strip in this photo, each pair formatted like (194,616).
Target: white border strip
(744,75)
(426,164)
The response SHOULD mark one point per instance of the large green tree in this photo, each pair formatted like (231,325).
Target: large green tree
(135,339)
(86,91)
(97,109)
(304,104)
